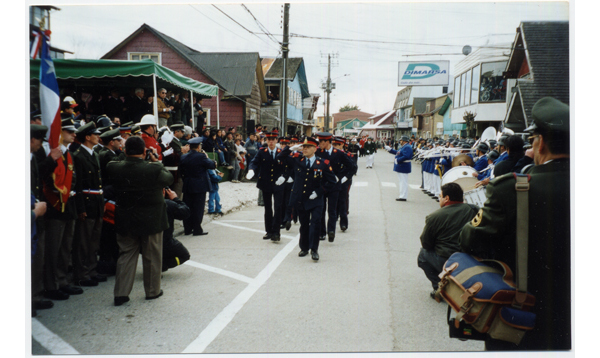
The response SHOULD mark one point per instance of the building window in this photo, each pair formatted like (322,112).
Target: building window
(493,85)
(137,56)
(456,92)
(475,85)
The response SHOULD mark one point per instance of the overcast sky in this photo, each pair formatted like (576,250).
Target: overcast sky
(370,38)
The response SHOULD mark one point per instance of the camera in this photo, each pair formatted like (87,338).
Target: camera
(465,331)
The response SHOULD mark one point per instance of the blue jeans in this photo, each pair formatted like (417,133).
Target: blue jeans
(432,265)
(221,158)
(214,202)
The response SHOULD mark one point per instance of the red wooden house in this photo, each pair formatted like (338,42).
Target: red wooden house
(238,74)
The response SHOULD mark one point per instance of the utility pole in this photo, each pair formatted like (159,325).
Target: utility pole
(284,50)
(328,86)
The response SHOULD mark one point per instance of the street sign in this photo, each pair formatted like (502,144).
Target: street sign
(431,73)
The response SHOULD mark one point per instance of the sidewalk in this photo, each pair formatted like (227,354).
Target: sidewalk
(234,197)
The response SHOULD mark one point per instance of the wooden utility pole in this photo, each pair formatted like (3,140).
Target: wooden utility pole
(328,90)
(284,50)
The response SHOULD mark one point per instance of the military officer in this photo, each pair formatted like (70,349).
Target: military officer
(354,149)
(343,198)
(59,185)
(342,167)
(90,207)
(288,170)
(171,162)
(312,179)
(148,125)
(193,169)
(492,233)
(271,177)
(370,150)
(112,150)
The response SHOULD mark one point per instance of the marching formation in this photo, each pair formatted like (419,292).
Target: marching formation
(308,179)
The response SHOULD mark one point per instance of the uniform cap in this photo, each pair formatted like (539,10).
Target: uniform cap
(310,141)
(404,138)
(272,135)
(87,129)
(68,124)
(177,126)
(38,131)
(549,115)
(493,155)
(324,135)
(483,147)
(195,140)
(103,121)
(340,140)
(284,140)
(111,135)
(136,130)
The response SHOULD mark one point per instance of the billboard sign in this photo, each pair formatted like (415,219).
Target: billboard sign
(430,73)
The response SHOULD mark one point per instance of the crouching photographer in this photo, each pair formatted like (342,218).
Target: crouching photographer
(174,253)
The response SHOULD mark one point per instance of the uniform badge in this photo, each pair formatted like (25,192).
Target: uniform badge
(70,166)
(478,218)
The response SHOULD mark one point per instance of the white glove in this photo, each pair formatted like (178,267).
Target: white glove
(396,161)
(296,147)
(250,174)
(313,196)
(344,179)
(167,152)
(280,181)
(290,180)
(166,138)
(387,147)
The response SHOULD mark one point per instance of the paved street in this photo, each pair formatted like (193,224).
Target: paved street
(239,293)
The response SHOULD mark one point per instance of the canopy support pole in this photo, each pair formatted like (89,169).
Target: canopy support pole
(191,109)
(154,101)
(218,117)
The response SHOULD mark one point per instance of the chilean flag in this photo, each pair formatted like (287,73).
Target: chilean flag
(49,95)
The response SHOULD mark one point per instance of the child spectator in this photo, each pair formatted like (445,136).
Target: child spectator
(214,200)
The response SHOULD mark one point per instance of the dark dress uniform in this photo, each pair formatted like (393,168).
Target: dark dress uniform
(344,196)
(342,166)
(193,169)
(171,162)
(269,169)
(318,178)
(89,200)
(140,219)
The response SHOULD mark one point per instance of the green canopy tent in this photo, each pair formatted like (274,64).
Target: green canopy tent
(103,75)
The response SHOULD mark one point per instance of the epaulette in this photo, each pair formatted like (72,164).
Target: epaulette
(266,150)
(295,155)
(326,161)
(335,150)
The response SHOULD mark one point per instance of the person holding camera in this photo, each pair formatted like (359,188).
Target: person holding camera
(149,135)
(193,169)
(140,218)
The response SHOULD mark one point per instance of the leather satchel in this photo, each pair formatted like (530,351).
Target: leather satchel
(483,293)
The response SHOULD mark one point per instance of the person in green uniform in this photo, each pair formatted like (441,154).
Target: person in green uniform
(492,233)
(140,218)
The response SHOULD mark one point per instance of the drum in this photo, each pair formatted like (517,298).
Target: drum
(461,175)
(475,196)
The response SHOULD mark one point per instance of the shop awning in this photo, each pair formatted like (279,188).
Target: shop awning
(105,74)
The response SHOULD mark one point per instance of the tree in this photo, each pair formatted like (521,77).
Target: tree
(349,107)
(469,118)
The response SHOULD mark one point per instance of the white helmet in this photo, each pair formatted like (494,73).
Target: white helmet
(148,119)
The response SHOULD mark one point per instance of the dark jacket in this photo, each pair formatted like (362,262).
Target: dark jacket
(318,178)
(268,170)
(443,226)
(507,165)
(89,176)
(492,234)
(193,169)
(140,205)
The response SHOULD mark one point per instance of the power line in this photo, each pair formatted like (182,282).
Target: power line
(242,26)
(260,25)
(389,42)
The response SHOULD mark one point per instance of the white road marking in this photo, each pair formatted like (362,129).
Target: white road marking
(413,186)
(221,321)
(249,229)
(219,271)
(49,340)
(242,221)
(388,184)
(360,183)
